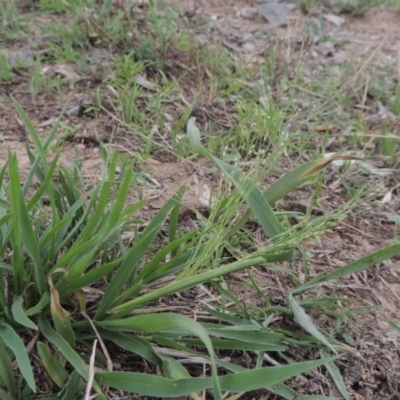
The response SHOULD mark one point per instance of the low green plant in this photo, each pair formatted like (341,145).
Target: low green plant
(52,252)
(56,250)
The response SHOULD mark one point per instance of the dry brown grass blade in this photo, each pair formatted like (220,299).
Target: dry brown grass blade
(322,163)
(91,372)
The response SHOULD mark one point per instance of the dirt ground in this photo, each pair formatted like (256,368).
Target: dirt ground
(375,374)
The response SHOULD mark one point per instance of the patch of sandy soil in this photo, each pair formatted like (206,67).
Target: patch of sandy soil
(375,374)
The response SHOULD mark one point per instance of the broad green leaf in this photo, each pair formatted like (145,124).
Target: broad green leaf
(14,342)
(19,313)
(54,368)
(305,321)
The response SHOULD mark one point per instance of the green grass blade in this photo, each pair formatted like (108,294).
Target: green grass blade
(394,326)
(335,375)
(44,185)
(175,264)
(103,200)
(136,345)
(7,372)
(42,303)
(31,130)
(253,196)
(173,369)
(14,342)
(75,253)
(245,336)
(173,226)
(22,223)
(54,368)
(73,387)
(19,313)
(151,268)
(164,323)
(42,148)
(287,183)
(185,283)
(356,266)
(80,263)
(223,344)
(225,317)
(120,201)
(90,277)
(15,200)
(157,386)
(280,389)
(56,233)
(305,321)
(152,385)
(135,254)
(67,351)
(64,348)
(5,396)
(268,376)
